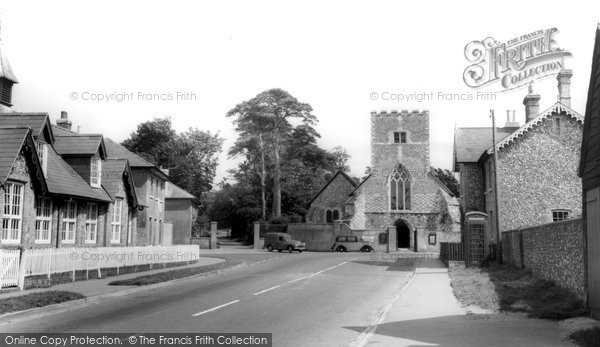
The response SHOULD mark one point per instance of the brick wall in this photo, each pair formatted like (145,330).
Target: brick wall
(553,251)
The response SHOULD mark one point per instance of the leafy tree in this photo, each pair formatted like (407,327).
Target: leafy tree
(448,179)
(269,116)
(191,156)
(341,157)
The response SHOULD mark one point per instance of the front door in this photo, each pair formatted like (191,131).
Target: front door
(402,234)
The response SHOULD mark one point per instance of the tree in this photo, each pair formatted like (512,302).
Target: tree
(448,179)
(341,157)
(269,116)
(191,156)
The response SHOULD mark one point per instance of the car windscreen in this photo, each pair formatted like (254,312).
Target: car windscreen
(287,237)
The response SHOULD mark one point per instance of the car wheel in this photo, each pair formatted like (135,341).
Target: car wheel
(341,249)
(367,249)
(269,248)
(300,251)
(290,249)
(279,250)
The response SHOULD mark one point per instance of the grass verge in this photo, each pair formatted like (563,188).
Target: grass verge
(586,338)
(174,274)
(33,300)
(503,287)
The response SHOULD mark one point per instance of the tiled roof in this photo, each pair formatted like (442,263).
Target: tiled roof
(589,164)
(557,108)
(36,121)
(62,179)
(76,144)
(173,191)
(116,151)
(348,178)
(470,143)
(5,69)
(113,173)
(60,131)
(11,141)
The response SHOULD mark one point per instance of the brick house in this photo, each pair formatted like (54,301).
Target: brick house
(181,209)
(149,183)
(76,209)
(401,192)
(537,162)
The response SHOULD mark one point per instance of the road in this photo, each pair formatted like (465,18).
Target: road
(308,299)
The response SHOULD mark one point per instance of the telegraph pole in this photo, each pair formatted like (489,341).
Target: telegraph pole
(496,191)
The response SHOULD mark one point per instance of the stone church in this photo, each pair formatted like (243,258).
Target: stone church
(401,194)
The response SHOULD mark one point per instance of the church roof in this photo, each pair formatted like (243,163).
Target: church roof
(354,184)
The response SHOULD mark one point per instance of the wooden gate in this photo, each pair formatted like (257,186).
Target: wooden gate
(593,249)
(9,267)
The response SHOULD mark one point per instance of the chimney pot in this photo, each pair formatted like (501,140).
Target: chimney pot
(64,121)
(532,105)
(510,123)
(564,86)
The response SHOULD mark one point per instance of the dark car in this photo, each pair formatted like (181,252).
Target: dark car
(350,243)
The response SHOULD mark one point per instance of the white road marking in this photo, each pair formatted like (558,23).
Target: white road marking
(214,308)
(300,278)
(267,290)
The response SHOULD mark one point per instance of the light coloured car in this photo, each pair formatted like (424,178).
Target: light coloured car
(351,243)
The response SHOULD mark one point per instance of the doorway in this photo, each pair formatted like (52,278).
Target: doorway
(402,234)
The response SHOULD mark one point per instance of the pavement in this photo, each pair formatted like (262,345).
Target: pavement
(427,313)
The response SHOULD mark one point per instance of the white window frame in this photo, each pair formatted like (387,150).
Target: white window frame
(42,151)
(68,234)
(12,213)
(566,214)
(43,220)
(91,224)
(116,221)
(96,172)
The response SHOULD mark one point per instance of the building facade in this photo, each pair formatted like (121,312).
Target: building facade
(537,176)
(181,210)
(401,193)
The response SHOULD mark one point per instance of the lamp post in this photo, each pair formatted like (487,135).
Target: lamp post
(496,190)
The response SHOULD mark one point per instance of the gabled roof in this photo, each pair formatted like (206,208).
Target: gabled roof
(360,184)
(441,184)
(557,108)
(5,69)
(116,151)
(64,180)
(38,122)
(80,144)
(173,191)
(470,143)
(11,142)
(590,143)
(114,171)
(354,184)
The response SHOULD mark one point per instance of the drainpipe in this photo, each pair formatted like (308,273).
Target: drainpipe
(496,192)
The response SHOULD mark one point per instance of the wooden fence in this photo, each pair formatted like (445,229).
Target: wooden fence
(451,251)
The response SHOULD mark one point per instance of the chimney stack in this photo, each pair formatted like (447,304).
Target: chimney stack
(564,86)
(64,121)
(511,122)
(532,104)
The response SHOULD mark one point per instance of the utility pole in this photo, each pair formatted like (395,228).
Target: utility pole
(496,191)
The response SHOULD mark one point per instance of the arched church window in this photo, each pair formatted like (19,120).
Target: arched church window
(329,217)
(336,214)
(400,189)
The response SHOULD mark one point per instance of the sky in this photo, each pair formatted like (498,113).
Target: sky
(194,61)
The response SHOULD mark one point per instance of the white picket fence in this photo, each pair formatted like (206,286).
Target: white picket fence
(9,267)
(47,261)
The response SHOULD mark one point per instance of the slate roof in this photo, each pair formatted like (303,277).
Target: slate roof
(36,121)
(5,69)
(113,173)
(354,184)
(470,143)
(116,151)
(173,191)
(11,141)
(76,144)
(64,180)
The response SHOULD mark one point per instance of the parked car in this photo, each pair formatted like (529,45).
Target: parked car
(283,241)
(350,243)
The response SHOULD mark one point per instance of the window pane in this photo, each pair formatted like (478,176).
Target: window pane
(393,194)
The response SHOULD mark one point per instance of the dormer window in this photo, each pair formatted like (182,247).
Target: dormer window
(42,152)
(96,172)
